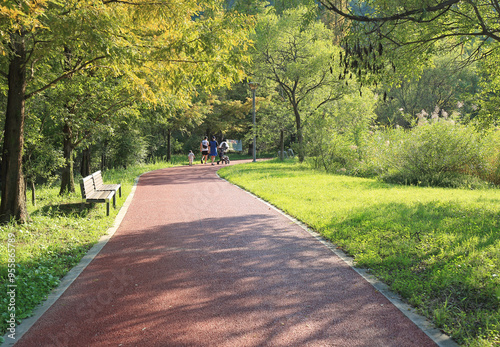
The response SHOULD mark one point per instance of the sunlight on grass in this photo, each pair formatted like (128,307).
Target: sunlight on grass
(439,248)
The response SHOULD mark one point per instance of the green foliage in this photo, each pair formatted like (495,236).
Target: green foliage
(490,155)
(126,147)
(334,154)
(445,84)
(292,57)
(41,158)
(328,149)
(412,32)
(58,236)
(152,48)
(395,42)
(336,137)
(274,125)
(435,153)
(228,116)
(489,99)
(437,247)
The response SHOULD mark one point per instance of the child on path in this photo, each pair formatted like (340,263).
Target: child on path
(191,157)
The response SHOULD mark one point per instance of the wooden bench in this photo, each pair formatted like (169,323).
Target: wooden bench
(90,194)
(100,186)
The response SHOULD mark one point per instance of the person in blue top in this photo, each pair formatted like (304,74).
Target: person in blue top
(213,149)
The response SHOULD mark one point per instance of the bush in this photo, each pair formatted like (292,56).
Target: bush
(490,157)
(334,154)
(435,153)
(329,148)
(379,147)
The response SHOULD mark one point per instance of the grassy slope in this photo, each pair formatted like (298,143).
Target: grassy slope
(439,248)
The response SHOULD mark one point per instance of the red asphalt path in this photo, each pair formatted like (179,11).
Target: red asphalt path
(199,262)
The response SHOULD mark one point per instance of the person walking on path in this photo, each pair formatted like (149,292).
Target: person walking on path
(213,149)
(191,157)
(204,147)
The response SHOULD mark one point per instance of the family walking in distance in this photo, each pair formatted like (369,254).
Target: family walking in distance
(211,148)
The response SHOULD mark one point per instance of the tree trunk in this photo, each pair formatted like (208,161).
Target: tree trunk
(13,204)
(33,193)
(67,176)
(85,166)
(104,161)
(169,145)
(282,145)
(299,132)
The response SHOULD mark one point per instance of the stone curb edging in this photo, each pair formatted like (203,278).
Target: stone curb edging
(68,279)
(441,339)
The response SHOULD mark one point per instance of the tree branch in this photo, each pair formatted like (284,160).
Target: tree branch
(63,76)
(445,5)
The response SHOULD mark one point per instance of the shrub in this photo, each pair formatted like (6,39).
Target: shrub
(380,147)
(330,148)
(435,153)
(490,157)
(334,154)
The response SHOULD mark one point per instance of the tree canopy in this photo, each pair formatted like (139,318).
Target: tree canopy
(410,31)
(156,46)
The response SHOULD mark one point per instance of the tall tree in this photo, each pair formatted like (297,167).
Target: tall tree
(157,45)
(293,52)
(85,103)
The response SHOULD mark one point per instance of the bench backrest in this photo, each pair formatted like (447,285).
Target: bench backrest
(97,179)
(87,186)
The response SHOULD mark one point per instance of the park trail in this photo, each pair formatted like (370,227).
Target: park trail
(197,261)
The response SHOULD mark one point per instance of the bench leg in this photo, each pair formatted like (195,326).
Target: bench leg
(114,201)
(120,191)
(107,208)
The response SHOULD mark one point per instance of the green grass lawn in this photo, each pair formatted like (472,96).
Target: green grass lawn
(438,248)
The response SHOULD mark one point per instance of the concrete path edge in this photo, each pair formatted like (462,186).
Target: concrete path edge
(66,281)
(441,339)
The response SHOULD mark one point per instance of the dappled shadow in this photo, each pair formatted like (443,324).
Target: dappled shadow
(64,210)
(232,281)
(436,247)
(416,221)
(198,262)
